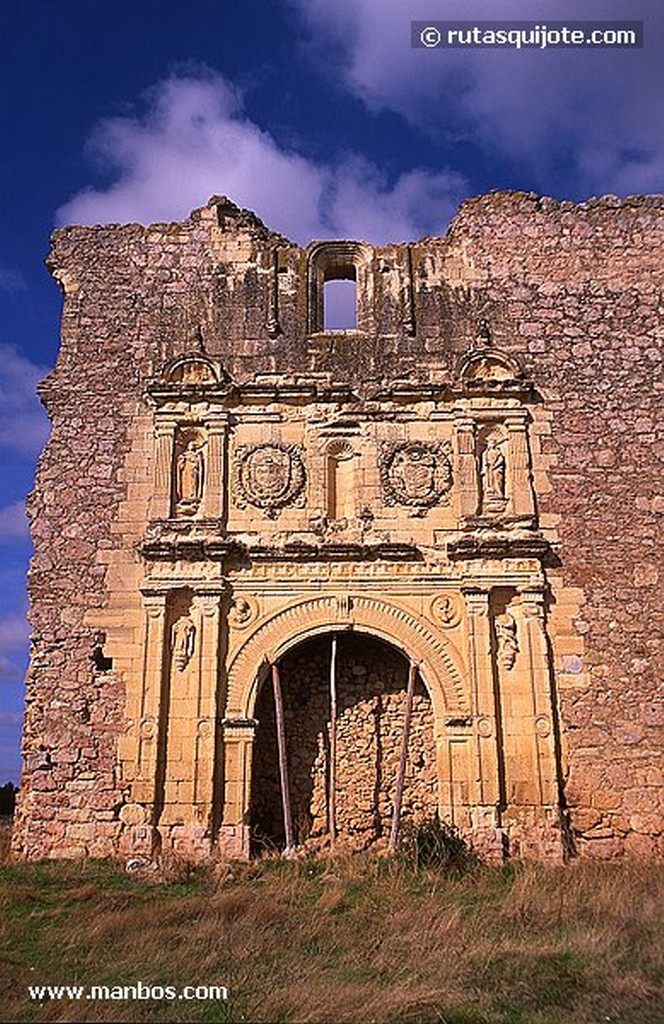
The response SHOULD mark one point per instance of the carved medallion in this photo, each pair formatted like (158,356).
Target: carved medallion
(446,610)
(242,612)
(415,473)
(269,476)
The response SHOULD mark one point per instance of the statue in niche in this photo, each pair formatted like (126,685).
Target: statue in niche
(189,478)
(493,475)
(508,646)
(183,642)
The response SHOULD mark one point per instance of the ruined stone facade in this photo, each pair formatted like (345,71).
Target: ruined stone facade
(466,481)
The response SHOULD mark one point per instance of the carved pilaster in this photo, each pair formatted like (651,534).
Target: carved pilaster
(205,711)
(216,498)
(149,718)
(485,729)
(532,606)
(466,468)
(521,485)
(160,503)
(234,836)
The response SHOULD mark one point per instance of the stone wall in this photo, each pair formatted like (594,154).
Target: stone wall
(569,293)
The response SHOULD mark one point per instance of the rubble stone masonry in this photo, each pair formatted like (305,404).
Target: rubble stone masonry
(468,480)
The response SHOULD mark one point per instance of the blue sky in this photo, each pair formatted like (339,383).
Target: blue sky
(318,115)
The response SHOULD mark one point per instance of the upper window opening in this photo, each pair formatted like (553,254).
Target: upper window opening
(339,287)
(340,305)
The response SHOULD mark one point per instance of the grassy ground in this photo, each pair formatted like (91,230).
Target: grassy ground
(355,940)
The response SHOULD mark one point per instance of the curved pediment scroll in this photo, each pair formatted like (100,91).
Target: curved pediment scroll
(195,369)
(489,366)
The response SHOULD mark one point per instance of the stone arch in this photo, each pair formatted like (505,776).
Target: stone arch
(338,261)
(439,663)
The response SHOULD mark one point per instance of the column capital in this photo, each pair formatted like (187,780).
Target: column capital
(239,728)
(165,423)
(532,600)
(154,600)
(217,420)
(477,598)
(517,420)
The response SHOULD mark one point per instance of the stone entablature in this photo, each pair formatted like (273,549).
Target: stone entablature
(233,486)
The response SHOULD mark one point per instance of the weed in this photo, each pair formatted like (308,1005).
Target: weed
(432,843)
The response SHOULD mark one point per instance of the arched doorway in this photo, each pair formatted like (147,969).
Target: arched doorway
(371,685)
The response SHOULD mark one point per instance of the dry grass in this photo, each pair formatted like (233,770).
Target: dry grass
(352,940)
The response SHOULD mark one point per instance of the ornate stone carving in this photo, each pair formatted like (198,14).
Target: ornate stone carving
(189,476)
(183,642)
(446,609)
(415,473)
(243,611)
(492,468)
(506,640)
(269,476)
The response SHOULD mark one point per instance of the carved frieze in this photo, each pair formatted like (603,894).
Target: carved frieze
(416,473)
(269,476)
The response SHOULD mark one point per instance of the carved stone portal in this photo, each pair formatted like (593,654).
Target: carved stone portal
(269,476)
(415,473)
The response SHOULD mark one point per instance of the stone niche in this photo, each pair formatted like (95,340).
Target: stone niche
(265,528)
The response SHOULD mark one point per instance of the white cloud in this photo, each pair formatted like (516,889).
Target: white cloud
(9,719)
(23,422)
(194,140)
(580,120)
(14,633)
(11,280)
(14,522)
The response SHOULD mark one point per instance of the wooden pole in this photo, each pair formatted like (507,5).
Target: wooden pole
(401,774)
(283,763)
(333,741)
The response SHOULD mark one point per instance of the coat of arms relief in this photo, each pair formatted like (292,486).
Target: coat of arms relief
(269,476)
(416,473)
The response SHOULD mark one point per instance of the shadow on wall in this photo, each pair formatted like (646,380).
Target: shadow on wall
(371,685)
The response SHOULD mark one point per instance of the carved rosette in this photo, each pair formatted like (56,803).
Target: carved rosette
(416,473)
(269,476)
(446,610)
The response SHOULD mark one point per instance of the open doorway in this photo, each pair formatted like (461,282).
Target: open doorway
(371,680)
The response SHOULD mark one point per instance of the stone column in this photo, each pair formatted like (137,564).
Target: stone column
(466,468)
(160,503)
(234,835)
(205,710)
(149,705)
(486,737)
(215,496)
(520,485)
(536,650)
